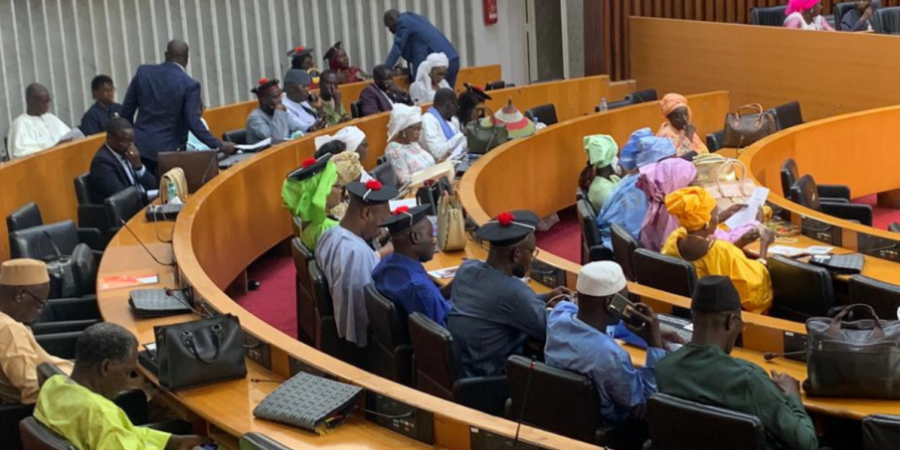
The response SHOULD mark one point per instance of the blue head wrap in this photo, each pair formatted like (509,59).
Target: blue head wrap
(654,149)
(630,150)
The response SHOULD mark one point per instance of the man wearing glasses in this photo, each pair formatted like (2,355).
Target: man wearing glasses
(24,288)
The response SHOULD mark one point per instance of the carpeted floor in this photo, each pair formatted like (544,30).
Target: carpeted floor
(881,217)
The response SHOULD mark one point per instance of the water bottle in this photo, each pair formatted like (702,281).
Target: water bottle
(171,190)
(604,106)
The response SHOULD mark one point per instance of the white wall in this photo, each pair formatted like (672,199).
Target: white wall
(504,42)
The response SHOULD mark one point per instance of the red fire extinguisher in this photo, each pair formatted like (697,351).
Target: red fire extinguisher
(490,12)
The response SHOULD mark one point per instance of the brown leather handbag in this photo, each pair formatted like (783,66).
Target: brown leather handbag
(859,359)
(742,130)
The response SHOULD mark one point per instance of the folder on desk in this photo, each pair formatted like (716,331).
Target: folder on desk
(309,402)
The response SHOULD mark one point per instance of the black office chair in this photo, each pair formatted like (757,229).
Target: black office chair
(355,110)
(881,296)
(29,216)
(664,272)
(886,20)
(614,105)
(880,432)
(10,416)
(715,141)
(772,16)
(646,95)
(384,173)
(390,353)
(38,242)
(894,227)
(327,339)
(35,436)
(122,207)
(677,424)
(624,246)
(438,372)
(259,441)
(800,290)
(495,85)
(237,137)
(787,115)
(91,210)
(805,192)
(831,193)
(592,248)
(545,114)
(306,305)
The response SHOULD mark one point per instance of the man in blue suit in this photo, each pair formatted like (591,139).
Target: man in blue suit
(414,39)
(167,102)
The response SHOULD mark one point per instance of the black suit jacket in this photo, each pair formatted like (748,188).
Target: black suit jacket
(371,101)
(108,177)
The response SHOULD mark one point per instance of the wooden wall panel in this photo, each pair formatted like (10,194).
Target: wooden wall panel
(606,22)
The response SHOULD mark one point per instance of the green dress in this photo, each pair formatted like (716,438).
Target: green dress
(307,199)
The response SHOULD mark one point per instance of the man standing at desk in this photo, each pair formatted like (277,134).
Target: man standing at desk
(167,102)
(414,39)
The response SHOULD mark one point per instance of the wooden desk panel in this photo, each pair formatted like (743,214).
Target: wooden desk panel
(572,98)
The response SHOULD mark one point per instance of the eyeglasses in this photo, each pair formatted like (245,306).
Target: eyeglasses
(36,298)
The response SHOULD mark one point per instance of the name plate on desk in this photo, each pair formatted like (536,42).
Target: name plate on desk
(878,247)
(822,231)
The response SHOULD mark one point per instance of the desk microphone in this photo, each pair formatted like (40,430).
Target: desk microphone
(125,225)
(768,356)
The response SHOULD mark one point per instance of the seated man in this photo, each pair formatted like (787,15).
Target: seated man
(270,120)
(703,371)
(117,165)
(580,339)
(24,287)
(297,101)
(81,408)
(494,313)
(441,134)
(37,129)
(381,95)
(344,255)
(401,277)
(332,109)
(95,120)
(860,17)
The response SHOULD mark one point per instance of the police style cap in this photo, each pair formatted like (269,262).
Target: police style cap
(310,167)
(372,191)
(508,228)
(404,218)
(715,294)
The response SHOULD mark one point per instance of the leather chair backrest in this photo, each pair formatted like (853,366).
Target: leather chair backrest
(297,226)
(787,115)
(804,192)
(124,205)
(664,272)
(321,294)
(83,191)
(646,95)
(25,217)
(85,266)
(789,175)
(886,20)
(238,137)
(306,304)
(34,242)
(590,233)
(614,105)
(624,246)
(390,353)
(545,114)
(551,392)
(384,173)
(894,227)
(677,424)
(35,436)
(842,8)
(47,370)
(883,297)
(259,441)
(715,141)
(772,16)
(435,359)
(355,110)
(800,290)
(494,85)
(880,432)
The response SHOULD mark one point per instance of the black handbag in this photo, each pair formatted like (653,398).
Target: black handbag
(859,359)
(430,193)
(61,269)
(201,352)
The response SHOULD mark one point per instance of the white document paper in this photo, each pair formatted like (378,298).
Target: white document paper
(749,213)
(73,135)
(248,147)
(784,250)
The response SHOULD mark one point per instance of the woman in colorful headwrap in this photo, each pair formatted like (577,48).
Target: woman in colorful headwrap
(339,62)
(599,178)
(627,205)
(403,150)
(806,15)
(517,125)
(694,242)
(657,181)
(429,78)
(678,126)
(310,193)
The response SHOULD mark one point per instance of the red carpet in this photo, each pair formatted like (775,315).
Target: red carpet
(881,217)
(564,238)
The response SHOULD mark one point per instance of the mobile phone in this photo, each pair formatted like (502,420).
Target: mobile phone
(623,308)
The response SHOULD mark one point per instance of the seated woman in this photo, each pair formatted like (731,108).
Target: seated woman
(678,126)
(657,181)
(403,150)
(340,63)
(310,193)
(806,15)
(429,78)
(599,179)
(469,101)
(695,243)
(859,18)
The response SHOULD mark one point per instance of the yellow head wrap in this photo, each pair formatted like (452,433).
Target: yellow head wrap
(692,206)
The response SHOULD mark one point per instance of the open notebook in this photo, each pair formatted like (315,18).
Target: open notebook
(309,402)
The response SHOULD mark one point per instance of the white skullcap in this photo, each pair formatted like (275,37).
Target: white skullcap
(403,117)
(601,279)
(351,136)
